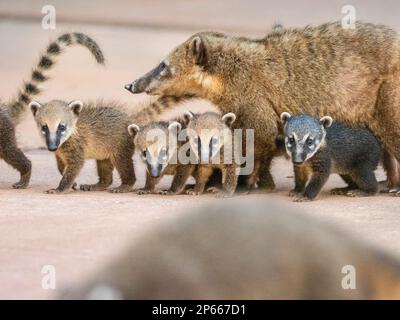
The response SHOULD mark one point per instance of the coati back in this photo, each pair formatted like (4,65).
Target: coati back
(320,146)
(211,139)
(11,114)
(159,146)
(245,249)
(76,132)
(318,70)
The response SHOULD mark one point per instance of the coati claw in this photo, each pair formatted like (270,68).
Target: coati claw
(357,193)
(341,191)
(294,193)
(121,189)
(143,191)
(301,198)
(193,192)
(20,185)
(54,191)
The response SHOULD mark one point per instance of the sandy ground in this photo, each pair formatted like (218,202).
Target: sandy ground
(77,233)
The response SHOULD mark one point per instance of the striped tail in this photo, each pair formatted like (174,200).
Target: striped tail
(46,62)
(156,108)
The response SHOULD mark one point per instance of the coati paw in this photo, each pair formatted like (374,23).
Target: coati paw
(92,187)
(54,191)
(143,191)
(340,191)
(219,193)
(121,189)
(301,198)
(294,193)
(193,192)
(20,185)
(167,192)
(358,193)
(75,186)
(395,192)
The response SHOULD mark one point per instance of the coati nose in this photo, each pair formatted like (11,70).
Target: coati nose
(52,148)
(129,87)
(298,162)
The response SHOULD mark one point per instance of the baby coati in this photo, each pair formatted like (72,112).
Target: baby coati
(245,249)
(320,146)
(76,132)
(211,139)
(158,144)
(11,113)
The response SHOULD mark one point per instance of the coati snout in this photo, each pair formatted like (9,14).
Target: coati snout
(304,136)
(56,120)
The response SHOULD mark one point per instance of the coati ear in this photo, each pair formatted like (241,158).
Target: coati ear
(34,106)
(326,121)
(175,126)
(75,106)
(188,116)
(285,116)
(229,118)
(197,48)
(133,129)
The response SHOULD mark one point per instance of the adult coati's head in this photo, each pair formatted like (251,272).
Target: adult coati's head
(185,70)
(208,132)
(56,120)
(304,135)
(155,143)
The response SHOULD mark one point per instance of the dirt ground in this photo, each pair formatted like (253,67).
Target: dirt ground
(78,232)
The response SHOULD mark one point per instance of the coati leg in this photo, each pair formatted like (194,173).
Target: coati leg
(183,172)
(16,158)
(365,179)
(301,176)
(70,172)
(150,185)
(266,181)
(392,169)
(385,124)
(124,165)
(320,174)
(105,171)
(229,181)
(10,152)
(203,173)
(351,185)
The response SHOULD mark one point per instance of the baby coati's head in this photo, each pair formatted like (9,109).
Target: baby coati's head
(155,142)
(304,135)
(208,132)
(56,120)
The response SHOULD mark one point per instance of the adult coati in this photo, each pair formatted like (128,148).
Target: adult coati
(245,249)
(318,147)
(11,113)
(352,75)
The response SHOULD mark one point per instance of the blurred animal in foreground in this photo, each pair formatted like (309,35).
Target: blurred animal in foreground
(246,250)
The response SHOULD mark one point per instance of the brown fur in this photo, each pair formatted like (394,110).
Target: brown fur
(151,150)
(350,75)
(96,131)
(244,249)
(11,114)
(202,126)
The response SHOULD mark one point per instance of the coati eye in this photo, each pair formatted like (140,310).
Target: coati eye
(144,153)
(291,140)
(310,141)
(44,128)
(162,66)
(62,127)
